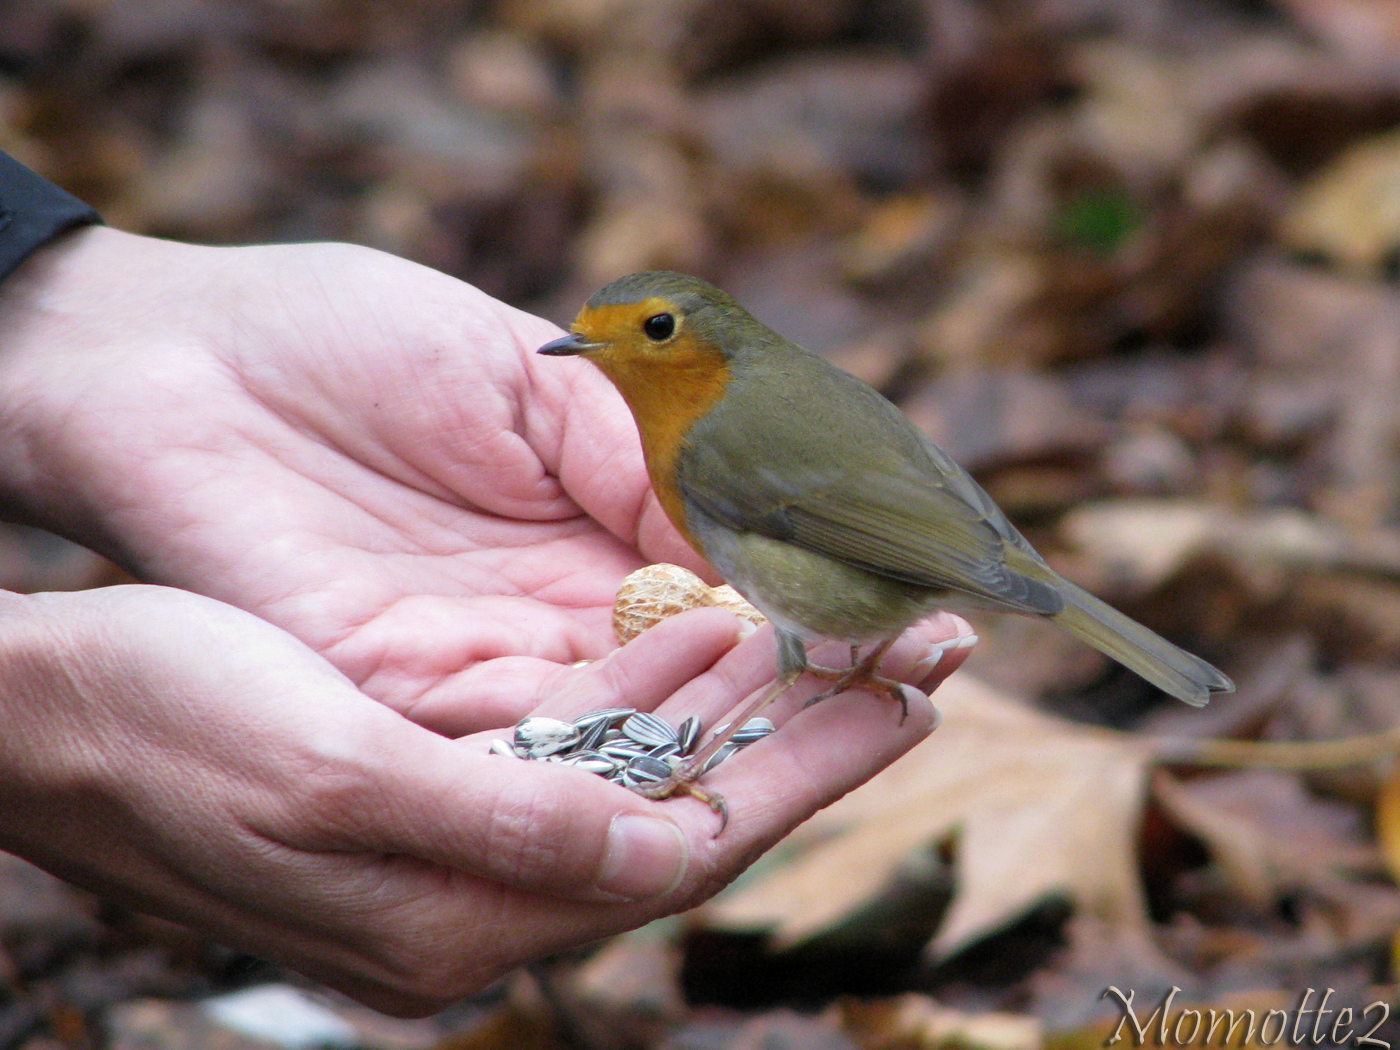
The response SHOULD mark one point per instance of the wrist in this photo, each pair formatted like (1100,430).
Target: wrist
(40,664)
(65,319)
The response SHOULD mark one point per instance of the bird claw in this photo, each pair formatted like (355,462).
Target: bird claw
(682,782)
(861,677)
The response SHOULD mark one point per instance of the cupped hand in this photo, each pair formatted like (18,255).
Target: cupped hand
(361,450)
(356,448)
(199,763)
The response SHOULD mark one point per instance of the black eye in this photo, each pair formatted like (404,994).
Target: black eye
(659,327)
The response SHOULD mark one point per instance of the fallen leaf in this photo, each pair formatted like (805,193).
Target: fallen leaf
(1141,543)
(916,1022)
(1265,830)
(1351,212)
(1273,839)
(1388,837)
(1039,807)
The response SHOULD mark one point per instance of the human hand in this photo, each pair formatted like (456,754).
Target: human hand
(356,448)
(196,762)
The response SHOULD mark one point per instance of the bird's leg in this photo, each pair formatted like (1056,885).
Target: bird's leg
(862,673)
(682,780)
(792,661)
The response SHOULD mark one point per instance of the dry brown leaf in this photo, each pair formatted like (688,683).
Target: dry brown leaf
(1142,543)
(1039,806)
(916,1022)
(1265,831)
(1388,836)
(1351,212)
(1272,838)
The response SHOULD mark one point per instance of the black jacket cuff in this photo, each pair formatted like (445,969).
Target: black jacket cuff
(33,211)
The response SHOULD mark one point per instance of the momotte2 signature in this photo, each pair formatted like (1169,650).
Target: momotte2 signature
(1307,1025)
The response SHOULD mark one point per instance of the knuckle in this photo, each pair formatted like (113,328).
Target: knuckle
(526,837)
(326,782)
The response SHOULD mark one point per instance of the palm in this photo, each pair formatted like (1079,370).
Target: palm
(368,454)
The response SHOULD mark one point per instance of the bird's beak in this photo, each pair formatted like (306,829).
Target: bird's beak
(567,346)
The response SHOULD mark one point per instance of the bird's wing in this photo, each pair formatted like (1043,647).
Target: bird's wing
(900,519)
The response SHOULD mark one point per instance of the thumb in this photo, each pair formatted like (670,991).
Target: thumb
(530,825)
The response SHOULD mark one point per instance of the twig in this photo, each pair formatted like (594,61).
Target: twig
(1270,754)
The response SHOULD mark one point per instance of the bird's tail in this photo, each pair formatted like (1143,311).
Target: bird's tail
(1167,666)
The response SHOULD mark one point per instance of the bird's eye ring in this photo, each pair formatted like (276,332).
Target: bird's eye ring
(660,327)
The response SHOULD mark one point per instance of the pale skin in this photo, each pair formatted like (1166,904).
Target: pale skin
(402,528)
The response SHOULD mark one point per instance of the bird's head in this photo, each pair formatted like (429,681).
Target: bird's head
(666,341)
(652,319)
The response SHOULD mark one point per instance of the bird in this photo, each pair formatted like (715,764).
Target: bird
(819,501)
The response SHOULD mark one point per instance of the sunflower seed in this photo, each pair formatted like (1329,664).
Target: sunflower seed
(688,734)
(719,756)
(622,745)
(625,750)
(752,731)
(609,716)
(540,736)
(648,729)
(647,770)
(594,762)
(591,736)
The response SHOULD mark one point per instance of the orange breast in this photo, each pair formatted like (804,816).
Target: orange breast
(667,393)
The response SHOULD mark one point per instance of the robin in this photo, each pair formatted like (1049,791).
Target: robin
(815,498)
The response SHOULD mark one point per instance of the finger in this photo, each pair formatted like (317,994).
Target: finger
(953,639)
(919,656)
(533,826)
(642,674)
(417,648)
(819,754)
(584,434)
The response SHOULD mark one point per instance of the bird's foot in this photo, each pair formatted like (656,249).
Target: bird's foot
(682,781)
(861,676)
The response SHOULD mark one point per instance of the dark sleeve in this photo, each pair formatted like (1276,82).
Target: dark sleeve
(33,211)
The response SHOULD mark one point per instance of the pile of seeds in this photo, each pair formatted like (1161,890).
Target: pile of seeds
(629,747)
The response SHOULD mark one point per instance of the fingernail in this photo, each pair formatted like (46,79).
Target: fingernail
(929,663)
(746,628)
(645,857)
(966,637)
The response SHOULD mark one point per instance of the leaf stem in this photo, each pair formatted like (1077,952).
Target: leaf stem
(1308,754)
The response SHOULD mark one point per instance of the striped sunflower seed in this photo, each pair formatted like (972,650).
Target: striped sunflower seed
(611,716)
(539,736)
(719,756)
(665,750)
(624,750)
(688,734)
(594,762)
(648,729)
(591,736)
(752,731)
(646,770)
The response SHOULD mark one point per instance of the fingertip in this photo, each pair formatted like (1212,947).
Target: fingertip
(644,857)
(677,649)
(951,639)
